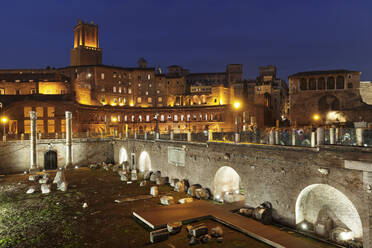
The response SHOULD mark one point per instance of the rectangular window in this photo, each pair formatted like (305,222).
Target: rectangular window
(132,118)
(162,118)
(63,125)
(2,91)
(148,76)
(27,124)
(160,99)
(27,111)
(176,118)
(147,118)
(40,126)
(102,75)
(149,100)
(114,89)
(129,91)
(33,91)
(182,117)
(51,128)
(139,100)
(125,118)
(119,89)
(51,111)
(40,111)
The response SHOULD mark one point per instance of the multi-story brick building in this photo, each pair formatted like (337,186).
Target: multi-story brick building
(332,96)
(104,98)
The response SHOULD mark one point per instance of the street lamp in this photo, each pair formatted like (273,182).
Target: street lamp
(4,120)
(237,105)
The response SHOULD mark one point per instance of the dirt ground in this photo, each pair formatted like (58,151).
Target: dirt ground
(59,220)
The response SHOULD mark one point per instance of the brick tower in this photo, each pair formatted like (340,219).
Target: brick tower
(86,49)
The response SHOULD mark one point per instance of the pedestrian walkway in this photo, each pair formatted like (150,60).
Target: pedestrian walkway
(159,217)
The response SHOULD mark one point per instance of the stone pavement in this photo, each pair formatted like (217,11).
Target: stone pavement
(158,217)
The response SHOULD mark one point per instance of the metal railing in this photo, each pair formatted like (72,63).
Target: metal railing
(306,137)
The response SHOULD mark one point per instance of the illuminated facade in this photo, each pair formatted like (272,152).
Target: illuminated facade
(334,96)
(118,99)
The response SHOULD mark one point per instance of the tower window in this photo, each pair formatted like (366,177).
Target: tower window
(102,75)
(114,89)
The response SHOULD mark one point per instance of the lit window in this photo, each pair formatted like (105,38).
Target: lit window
(139,85)
(140,118)
(188,117)
(89,75)
(124,100)
(125,118)
(147,118)
(158,91)
(147,93)
(103,89)
(139,100)
(102,75)
(162,118)
(132,118)
(150,85)
(103,99)
(50,111)
(129,91)
(27,111)
(160,99)
(182,117)
(119,89)
(149,100)
(114,75)
(33,91)
(114,89)
(40,111)
(119,99)
(148,76)
(176,118)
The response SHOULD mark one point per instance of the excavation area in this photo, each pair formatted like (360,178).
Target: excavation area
(93,207)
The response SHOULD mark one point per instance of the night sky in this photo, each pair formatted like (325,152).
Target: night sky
(201,35)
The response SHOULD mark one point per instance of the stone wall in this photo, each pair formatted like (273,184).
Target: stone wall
(268,173)
(15,155)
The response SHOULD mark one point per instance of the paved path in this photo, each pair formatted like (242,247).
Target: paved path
(158,217)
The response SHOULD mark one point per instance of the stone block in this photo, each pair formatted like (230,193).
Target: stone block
(185,200)
(167,200)
(45,188)
(174,227)
(154,191)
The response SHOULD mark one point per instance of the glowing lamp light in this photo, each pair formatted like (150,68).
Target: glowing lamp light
(316,117)
(131,104)
(237,191)
(304,226)
(346,236)
(236,105)
(4,120)
(114,119)
(113,104)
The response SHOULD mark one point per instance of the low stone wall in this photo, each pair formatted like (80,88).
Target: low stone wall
(15,155)
(268,173)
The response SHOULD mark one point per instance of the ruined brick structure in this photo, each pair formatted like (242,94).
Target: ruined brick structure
(332,95)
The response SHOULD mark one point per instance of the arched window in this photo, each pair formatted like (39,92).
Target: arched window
(312,84)
(321,83)
(303,84)
(331,83)
(340,82)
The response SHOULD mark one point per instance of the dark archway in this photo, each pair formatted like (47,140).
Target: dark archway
(328,103)
(50,160)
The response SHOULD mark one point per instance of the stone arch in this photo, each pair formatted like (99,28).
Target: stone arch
(123,155)
(315,199)
(330,83)
(321,83)
(226,179)
(340,82)
(144,162)
(328,103)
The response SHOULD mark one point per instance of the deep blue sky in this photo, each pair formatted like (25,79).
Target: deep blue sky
(201,35)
